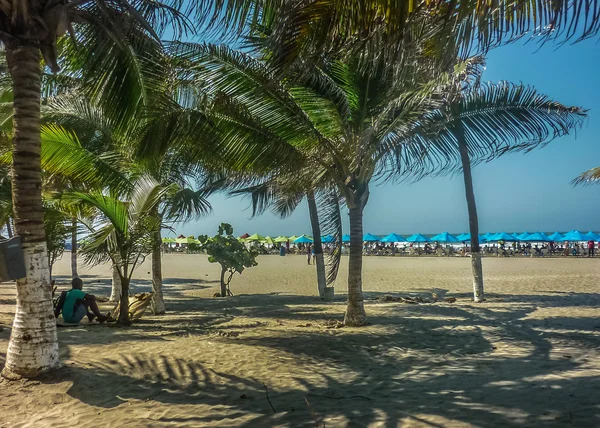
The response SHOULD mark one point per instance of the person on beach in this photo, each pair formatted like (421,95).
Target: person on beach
(308,252)
(76,304)
(591,245)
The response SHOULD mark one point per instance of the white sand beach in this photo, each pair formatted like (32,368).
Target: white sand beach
(272,355)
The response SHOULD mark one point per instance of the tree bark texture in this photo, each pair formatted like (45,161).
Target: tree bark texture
(124,307)
(478,295)
(115,293)
(355,311)
(158,303)
(9,229)
(33,345)
(74,273)
(318,247)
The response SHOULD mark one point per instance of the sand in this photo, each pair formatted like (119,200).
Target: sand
(529,356)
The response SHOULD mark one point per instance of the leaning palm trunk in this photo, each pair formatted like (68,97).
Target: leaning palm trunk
(473,220)
(158,302)
(316,230)
(355,311)
(33,346)
(115,293)
(74,272)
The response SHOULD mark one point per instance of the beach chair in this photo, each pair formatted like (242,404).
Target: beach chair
(137,307)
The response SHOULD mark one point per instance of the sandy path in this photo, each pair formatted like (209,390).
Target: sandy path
(529,356)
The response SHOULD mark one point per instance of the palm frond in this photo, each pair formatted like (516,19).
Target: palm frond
(330,220)
(185,204)
(591,176)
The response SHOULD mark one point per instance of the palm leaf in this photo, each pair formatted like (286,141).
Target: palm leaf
(591,176)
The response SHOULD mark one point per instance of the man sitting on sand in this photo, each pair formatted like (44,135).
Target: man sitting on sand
(75,304)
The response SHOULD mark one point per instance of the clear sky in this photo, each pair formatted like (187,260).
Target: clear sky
(515,193)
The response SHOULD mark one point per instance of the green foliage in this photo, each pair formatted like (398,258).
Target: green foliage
(229,252)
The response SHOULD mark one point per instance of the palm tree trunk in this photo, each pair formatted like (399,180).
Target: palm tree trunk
(158,302)
(124,302)
(8,228)
(74,272)
(115,293)
(355,311)
(473,220)
(316,231)
(33,346)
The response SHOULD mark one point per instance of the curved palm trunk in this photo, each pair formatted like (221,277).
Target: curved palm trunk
(33,346)
(473,220)
(316,231)
(158,302)
(355,311)
(74,272)
(115,293)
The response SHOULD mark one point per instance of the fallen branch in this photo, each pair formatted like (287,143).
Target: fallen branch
(268,399)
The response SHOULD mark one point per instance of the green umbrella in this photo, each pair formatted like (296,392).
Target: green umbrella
(255,237)
(188,240)
(168,240)
(293,238)
(281,239)
(268,240)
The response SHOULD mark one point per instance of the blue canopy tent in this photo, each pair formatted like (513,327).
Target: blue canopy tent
(346,238)
(303,240)
(575,236)
(487,236)
(523,235)
(392,237)
(371,238)
(537,237)
(516,236)
(463,237)
(417,237)
(502,236)
(593,236)
(327,239)
(556,236)
(444,237)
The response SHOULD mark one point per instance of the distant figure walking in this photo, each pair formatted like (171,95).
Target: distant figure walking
(590,248)
(308,252)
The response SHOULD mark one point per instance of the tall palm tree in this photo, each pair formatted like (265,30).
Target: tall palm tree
(357,124)
(29,28)
(512,118)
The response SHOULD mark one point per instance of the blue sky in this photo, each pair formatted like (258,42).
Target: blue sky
(515,193)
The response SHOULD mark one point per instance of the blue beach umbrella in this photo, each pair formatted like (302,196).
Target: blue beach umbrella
(417,237)
(370,238)
(327,239)
(523,235)
(392,237)
(501,236)
(444,237)
(556,236)
(303,240)
(537,237)
(487,236)
(593,236)
(575,236)
(463,237)
(516,236)
(346,238)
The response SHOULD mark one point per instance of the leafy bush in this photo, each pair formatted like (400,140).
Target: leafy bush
(230,253)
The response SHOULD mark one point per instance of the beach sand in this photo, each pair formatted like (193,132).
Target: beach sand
(272,355)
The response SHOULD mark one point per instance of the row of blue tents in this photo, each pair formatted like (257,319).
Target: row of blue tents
(445,237)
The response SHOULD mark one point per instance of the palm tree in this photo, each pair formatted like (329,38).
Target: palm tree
(296,30)
(29,28)
(488,120)
(124,233)
(357,124)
